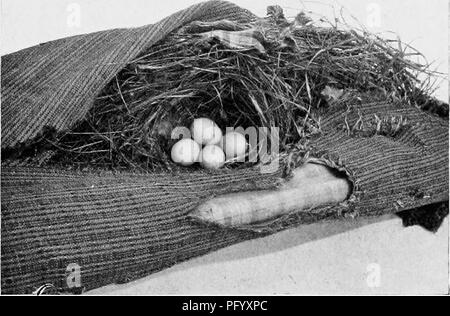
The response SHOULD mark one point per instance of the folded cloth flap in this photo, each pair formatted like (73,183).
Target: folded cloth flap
(54,84)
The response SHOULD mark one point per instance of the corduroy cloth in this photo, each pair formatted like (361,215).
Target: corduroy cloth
(81,230)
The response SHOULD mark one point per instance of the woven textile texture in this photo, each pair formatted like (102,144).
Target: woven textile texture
(82,230)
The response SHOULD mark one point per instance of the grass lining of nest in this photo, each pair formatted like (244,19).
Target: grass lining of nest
(271,72)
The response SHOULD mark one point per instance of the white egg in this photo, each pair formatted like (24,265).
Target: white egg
(185,152)
(212,157)
(217,136)
(234,145)
(205,132)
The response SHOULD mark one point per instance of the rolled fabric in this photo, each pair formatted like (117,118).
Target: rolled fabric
(311,185)
(81,230)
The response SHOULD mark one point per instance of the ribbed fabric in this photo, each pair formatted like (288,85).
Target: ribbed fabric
(116,227)
(396,172)
(54,84)
(120,226)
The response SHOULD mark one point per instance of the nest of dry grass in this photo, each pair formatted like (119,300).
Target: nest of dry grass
(271,72)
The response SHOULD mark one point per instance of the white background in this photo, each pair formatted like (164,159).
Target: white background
(354,257)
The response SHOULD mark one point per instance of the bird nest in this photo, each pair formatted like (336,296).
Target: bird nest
(264,73)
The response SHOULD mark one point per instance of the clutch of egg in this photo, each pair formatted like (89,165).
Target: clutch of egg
(217,147)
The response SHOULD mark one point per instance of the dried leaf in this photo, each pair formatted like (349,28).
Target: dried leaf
(332,94)
(302,19)
(276,13)
(237,40)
